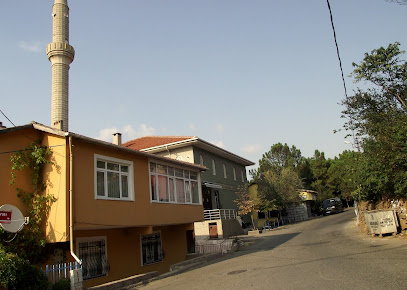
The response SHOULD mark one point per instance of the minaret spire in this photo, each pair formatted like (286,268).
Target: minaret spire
(61,54)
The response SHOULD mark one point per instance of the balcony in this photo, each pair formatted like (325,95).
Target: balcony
(219,214)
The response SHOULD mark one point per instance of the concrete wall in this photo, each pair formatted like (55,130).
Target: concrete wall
(226,229)
(54,175)
(202,230)
(297,213)
(124,250)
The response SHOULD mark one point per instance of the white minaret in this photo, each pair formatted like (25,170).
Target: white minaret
(60,54)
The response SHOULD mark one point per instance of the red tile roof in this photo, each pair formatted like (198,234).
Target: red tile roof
(152,141)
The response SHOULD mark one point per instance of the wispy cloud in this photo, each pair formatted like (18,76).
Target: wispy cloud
(192,127)
(253,148)
(128,132)
(219,128)
(143,130)
(34,46)
(106,134)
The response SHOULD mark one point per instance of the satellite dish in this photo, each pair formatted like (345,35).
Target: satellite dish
(11,218)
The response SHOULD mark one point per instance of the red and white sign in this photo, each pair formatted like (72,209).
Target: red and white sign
(5,217)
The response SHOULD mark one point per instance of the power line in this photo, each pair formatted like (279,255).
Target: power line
(7,118)
(16,126)
(337,48)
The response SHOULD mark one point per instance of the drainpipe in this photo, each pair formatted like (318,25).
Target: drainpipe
(71,202)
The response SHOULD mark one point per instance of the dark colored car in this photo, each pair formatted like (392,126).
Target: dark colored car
(332,205)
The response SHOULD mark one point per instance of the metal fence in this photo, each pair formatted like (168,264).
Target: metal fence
(219,214)
(222,247)
(57,272)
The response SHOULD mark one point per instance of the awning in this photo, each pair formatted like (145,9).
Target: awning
(212,185)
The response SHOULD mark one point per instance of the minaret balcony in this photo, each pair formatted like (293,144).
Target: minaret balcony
(60,49)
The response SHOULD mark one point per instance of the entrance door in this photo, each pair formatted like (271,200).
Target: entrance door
(207,198)
(190,241)
(213,230)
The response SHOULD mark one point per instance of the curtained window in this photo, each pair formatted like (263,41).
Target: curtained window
(174,185)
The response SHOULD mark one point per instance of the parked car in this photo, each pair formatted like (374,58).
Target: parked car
(332,205)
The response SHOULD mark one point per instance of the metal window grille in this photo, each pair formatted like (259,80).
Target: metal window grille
(93,255)
(152,248)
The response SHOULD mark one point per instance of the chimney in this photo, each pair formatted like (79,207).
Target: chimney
(117,139)
(1,126)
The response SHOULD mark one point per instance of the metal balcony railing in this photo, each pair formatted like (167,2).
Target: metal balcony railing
(219,214)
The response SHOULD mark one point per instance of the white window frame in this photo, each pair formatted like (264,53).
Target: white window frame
(93,239)
(225,175)
(130,177)
(213,167)
(241,171)
(141,248)
(186,183)
(234,173)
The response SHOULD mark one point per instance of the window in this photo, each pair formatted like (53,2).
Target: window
(241,171)
(92,252)
(234,173)
(113,178)
(173,185)
(213,167)
(151,249)
(224,171)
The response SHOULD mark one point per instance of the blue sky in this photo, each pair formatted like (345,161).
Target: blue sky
(243,75)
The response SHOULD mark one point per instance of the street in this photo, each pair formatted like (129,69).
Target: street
(325,252)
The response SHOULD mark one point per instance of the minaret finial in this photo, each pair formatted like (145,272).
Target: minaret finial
(61,54)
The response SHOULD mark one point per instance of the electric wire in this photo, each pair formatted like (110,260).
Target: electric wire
(337,48)
(16,126)
(7,118)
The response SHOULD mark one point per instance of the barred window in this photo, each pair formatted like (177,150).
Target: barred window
(113,178)
(173,185)
(151,248)
(92,252)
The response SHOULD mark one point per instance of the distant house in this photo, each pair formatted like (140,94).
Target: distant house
(292,213)
(123,223)
(226,171)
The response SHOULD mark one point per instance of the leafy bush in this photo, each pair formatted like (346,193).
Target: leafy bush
(63,284)
(17,273)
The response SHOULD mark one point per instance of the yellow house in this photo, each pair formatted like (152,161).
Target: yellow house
(121,211)
(293,213)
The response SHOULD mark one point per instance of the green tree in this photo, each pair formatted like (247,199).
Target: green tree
(278,157)
(344,175)
(319,166)
(279,189)
(246,203)
(378,115)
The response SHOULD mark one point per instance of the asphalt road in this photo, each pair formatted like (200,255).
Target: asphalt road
(324,253)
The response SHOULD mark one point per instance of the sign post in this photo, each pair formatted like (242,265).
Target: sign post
(76,279)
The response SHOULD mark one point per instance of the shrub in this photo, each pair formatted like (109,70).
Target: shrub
(17,273)
(63,284)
